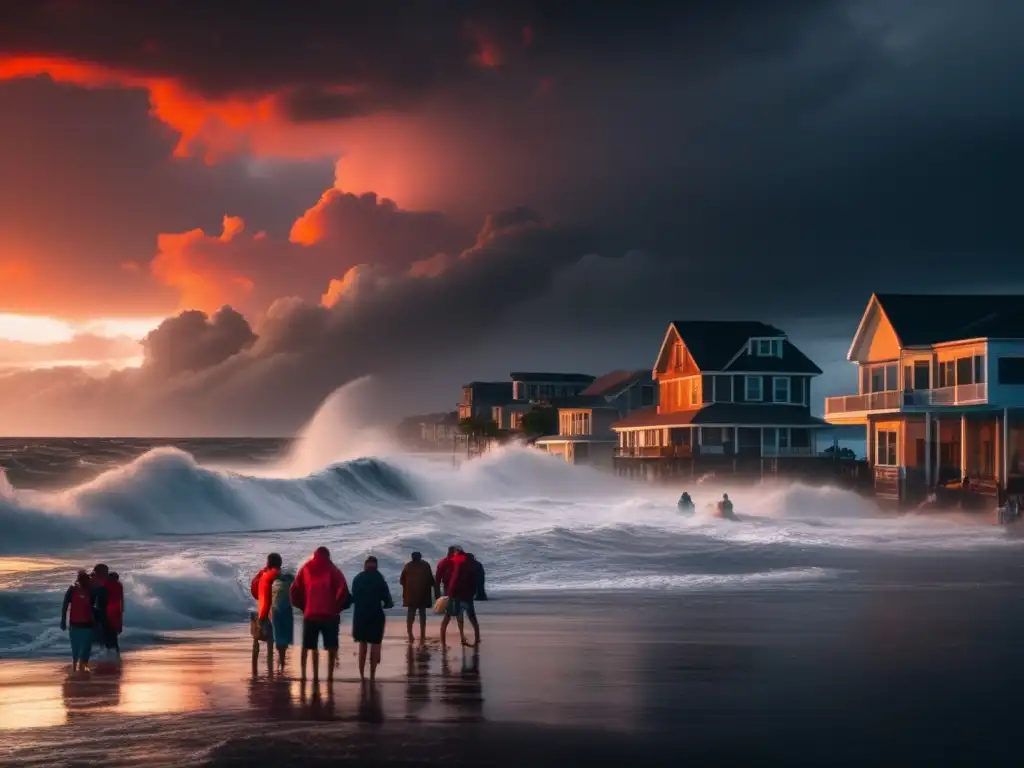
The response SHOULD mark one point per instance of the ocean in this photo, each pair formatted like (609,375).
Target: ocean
(187,524)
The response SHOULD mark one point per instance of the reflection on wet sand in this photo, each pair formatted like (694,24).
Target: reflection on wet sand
(316,701)
(371,709)
(417,679)
(85,694)
(272,699)
(463,691)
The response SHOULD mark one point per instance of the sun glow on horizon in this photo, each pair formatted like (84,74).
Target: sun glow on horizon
(43,329)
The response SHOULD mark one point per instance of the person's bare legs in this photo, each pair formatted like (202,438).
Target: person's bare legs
(332,662)
(362,662)
(255,655)
(270,658)
(409,619)
(444,629)
(423,625)
(374,661)
(280,657)
(316,666)
(302,661)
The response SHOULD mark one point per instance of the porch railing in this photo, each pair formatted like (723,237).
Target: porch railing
(872,401)
(961,394)
(653,451)
(791,451)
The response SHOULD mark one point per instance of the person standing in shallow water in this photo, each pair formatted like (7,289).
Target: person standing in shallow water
(282,618)
(419,591)
(260,627)
(370,598)
(79,599)
(321,592)
(461,588)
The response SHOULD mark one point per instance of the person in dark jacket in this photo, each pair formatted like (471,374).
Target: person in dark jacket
(419,591)
(370,598)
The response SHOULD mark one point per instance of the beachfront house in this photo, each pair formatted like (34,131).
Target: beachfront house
(537,387)
(480,397)
(585,421)
(727,388)
(941,392)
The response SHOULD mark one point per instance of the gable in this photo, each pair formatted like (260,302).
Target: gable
(876,339)
(674,359)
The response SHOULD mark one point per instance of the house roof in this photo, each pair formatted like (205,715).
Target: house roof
(925,319)
(792,361)
(495,391)
(613,383)
(566,378)
(713,343)
(738,414)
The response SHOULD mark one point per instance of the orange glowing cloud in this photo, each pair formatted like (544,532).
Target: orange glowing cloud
(210,128)
(189,262)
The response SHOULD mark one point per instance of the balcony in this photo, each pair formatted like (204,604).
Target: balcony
(961,394)
(958,395)
(771,452)
(653,451)
(873,401)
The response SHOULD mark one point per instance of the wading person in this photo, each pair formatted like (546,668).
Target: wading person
(370,597)
(461,588)
(260,626)
(78,599)
(321,592)
(115,609)
(419,591)
(282,617)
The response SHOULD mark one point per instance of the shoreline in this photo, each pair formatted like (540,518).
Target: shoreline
(802,676)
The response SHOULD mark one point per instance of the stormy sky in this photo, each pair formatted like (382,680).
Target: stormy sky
(308,192)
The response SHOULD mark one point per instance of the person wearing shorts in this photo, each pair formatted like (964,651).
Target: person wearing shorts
(313,630)
(321,592)
(461,589)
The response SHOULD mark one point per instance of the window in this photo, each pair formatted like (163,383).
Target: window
(753,388)
(723,389)
(886,448)
(646,395)
(766,347)
(1011,370)
(695,391)
(780,389)
(892,377)
(979,369)
(712,436)
(878,379)
(965,370)
(947,373)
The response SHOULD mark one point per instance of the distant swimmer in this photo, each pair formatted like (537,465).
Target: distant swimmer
(685,503)
(725,510)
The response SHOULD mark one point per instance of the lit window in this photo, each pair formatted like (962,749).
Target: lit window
(886,448)
(753,388)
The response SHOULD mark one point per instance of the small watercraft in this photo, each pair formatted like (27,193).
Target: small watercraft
(685,504)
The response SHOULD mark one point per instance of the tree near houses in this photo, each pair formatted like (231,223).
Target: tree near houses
(478,427)
(541,421)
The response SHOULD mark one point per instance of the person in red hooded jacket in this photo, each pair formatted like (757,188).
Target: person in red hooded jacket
(260,627)
(321,592)
(461,589)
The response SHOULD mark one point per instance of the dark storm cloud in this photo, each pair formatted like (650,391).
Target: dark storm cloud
(194,342)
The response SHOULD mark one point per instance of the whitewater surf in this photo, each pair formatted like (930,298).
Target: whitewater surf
(186,538)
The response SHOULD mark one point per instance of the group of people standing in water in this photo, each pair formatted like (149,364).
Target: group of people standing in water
(723,508)
(93,613)
(320,591)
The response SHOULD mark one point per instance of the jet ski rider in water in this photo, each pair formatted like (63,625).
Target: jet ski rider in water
(685,503)
(725,508)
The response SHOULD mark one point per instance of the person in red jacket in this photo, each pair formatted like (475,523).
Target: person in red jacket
(461,589)
(115,609)
(78,599)
(260,627)
(321,592)
(443,576)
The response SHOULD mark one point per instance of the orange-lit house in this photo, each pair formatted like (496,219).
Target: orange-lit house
(732,388)
(941,385)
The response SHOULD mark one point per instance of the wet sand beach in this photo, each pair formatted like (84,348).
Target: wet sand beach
(842,675)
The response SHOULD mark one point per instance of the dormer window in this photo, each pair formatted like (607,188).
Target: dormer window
(766,347)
